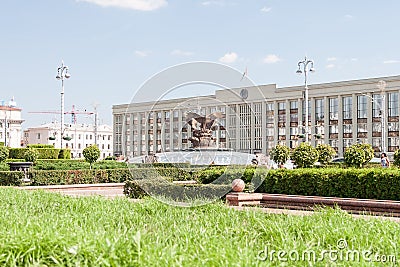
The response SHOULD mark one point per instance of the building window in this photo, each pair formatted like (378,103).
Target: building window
(361,106)
(376,105)
(347,128)
(294,105)
(333,129)
(304,110)
(333,109)
(347,142)
(393,104)
(347,107)
(38,136)
(319,109)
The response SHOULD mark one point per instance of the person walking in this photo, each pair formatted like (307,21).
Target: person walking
(385,163)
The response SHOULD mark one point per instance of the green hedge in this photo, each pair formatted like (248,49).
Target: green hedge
(79,177)
(165,189)
(8,178)
(44,153)
(40,146)
(68,164)
(348,183)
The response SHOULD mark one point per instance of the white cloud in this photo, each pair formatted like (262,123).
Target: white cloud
(348,16)
(229,58)
(178,52)
(330,66)
(143,5)
(391,61)
(141,53)
(265,9)
(220,3)
(354,59)
(331,59)
(270,59)
(215,3)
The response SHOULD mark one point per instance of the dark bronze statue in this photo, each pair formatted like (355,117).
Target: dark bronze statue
(202,127)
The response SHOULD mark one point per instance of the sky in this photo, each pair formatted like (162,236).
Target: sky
(113,46)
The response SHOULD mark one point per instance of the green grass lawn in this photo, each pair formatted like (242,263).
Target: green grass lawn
(47,229)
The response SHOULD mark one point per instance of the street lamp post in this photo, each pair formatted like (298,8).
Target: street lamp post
(62,74)
(305,64)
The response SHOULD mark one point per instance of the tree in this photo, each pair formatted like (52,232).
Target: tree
(326,153)
(280,154)
(31,155)
(305,155)
(358,154)
(3,153)
(91,154)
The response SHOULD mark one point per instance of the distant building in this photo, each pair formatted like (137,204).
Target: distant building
(256,119)
(10,124)
(76,137)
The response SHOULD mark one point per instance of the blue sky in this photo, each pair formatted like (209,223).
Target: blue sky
(114,46)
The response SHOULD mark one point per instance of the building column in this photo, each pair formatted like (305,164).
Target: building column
(276,134)
(312,127)
(369,118)
(340,125)
(287,122)
(354,118)
(237,128)
(326,120)
(264,127)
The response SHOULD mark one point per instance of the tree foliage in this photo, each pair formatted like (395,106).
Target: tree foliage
(358,154)
(325,152)
(91,154)
(305,155)
(280,154)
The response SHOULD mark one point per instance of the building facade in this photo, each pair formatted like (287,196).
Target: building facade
(256,119)
(10,124)
(76,137)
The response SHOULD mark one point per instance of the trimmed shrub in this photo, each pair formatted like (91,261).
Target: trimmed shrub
(43,152)
(40,146)
(325,153)
(31,155)
(374,183)
(4,166)
(396,158)
(3,153)
(358,154)
(8,178)
(91,154)
(79,177)
(64,154)
(161,188)
(280,154)
(17,153)
(305,155)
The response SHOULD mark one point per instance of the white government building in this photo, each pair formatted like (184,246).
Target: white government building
(255,119)
(10,124)
(76,137)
